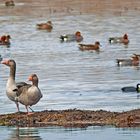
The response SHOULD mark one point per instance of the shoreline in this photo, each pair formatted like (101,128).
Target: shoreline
(47,8)
(72,118)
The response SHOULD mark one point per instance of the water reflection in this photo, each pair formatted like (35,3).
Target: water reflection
(60,133)
(25,134)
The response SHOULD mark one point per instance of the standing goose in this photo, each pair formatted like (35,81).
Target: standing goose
(29,94)
(11,88)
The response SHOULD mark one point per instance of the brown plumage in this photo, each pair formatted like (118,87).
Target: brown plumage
(88,47)
(26,94)
(29,94)
(5,40)
(124,39)
(45,26)
(9,3)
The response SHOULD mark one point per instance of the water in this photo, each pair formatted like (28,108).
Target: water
(68,77)
(56,133)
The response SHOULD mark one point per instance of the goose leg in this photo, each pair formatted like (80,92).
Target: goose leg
(31,109)
(28,113)
(17,106)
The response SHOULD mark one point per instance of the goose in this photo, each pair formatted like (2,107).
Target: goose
(71,37)
(29,94)
(11,87)
(18,92)
(124,39)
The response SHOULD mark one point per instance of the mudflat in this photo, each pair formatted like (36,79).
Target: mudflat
(44,8)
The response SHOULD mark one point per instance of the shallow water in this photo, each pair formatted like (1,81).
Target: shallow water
(68,77)
(56,133)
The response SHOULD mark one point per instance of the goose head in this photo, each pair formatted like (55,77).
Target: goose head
(9,63)
(34,79)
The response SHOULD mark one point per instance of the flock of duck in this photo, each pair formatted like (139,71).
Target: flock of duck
(30,94)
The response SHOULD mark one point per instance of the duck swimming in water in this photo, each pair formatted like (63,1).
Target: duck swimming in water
(45,26)
(133,61)
(5,40)
(9,3)
(124,39)
(89,47)
(71,37)
(131,88)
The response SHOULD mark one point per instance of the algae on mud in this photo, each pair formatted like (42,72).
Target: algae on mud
(72,118)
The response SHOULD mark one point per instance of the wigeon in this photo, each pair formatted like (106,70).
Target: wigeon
(89,47)
(71,37)
(123,39)
(45,26)
(134,61)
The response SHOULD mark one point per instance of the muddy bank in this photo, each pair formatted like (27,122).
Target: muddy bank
(72,118)
(48,8)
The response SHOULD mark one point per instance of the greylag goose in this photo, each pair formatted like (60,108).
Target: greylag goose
(11,88)
(29,94)
(22,92)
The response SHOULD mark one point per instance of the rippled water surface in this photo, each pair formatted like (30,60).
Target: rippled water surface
(69,78)
(56,133)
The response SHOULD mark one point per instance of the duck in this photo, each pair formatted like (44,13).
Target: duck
(89,47)
(71,37)
(11,87)
(45,26)
(131,88)
(1,58)
(124,39)
(29,94)
(134,61)
(5,40)
(9,3)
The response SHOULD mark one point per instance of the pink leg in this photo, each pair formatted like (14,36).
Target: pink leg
(28,113)
(17,106)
